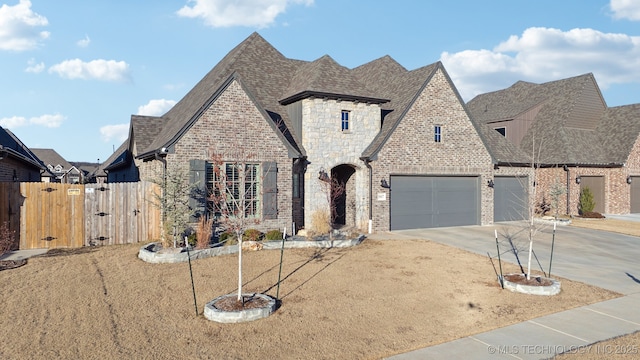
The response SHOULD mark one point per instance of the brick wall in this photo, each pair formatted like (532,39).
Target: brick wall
(411,148)
(234,128)
(10,166)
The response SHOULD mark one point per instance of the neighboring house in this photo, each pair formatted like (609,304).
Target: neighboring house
(62,170)
(88,170)
(575,139)
(17,162)
(401,142)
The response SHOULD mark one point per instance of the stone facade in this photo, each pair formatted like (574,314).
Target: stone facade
(411,148)
(328,146)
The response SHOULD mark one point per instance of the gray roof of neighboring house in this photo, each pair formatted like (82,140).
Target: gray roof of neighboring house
(273,81)
(10,143)
(619,129)
(51,157)
(555,142)
(114,160)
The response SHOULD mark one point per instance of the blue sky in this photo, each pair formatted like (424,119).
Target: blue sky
(73,72)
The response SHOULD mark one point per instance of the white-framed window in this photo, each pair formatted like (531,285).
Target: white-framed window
(345,120)
(437,133)
(58,168)
(241,186)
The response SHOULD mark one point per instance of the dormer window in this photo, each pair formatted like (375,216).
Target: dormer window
(502,131)
(58,168)
(50,167)
(345,120)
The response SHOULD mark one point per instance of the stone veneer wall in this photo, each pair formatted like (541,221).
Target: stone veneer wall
(411,148)
(234,127)
(328,146)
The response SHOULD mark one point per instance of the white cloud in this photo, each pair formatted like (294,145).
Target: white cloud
(545,54)
(47,120)
(33,67)
(104,70)
(18,27)
(156,107)
(84,42)
(625,9)
(228,13)
(119,132)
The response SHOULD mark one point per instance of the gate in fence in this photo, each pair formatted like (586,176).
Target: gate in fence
(53,215)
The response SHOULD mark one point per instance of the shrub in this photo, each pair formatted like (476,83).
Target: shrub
(273,235)
(203,232)
(252,235)
(320,222)
(6,238)
(587,202)
(228,237)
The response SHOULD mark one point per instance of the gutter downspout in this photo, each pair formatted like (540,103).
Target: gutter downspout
(161,156)
(566,169)
(367,162)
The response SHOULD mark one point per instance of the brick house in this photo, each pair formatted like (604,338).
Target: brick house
(17,162)
(401,142)
(576,140)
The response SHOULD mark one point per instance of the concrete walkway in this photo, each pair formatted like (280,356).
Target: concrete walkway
(598,258)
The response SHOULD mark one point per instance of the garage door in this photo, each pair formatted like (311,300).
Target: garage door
(635,194)
(434,201)
(596,185)
(510,198)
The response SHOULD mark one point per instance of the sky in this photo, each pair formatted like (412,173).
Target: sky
(73,72)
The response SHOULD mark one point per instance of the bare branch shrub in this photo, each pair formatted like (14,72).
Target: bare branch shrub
(7,237)
(204,232)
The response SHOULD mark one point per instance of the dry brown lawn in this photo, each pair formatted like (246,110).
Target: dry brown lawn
(367,302)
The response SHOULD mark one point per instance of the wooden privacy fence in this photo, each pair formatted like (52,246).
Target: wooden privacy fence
(56,215)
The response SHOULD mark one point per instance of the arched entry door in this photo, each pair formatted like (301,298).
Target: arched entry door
(343,197)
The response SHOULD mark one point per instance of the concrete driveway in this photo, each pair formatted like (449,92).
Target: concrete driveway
(599,258)
(604,259)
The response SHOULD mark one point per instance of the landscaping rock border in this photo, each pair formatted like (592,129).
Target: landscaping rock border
(150,253)
(224,316)
(549,290)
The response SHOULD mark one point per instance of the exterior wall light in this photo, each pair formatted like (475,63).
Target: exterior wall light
(384,184)
(629,179)
(490,183)
(578,179)
(323,176)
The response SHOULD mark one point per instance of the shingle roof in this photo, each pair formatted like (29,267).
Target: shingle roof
(619,129)
(261,68)
(51,157)
(326,77)
(557,141)
(273,81)
(10,143)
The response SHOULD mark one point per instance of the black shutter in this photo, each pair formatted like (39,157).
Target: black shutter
(269,190)
(198,181)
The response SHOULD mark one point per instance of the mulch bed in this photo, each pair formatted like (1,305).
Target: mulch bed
(231,303)
(11,264)
(522,279)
